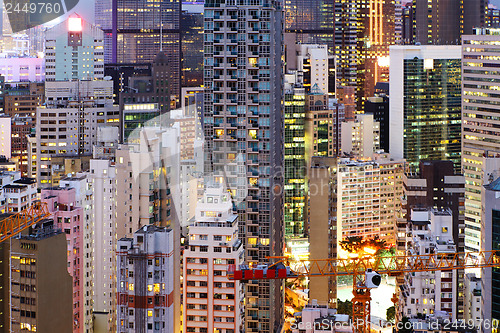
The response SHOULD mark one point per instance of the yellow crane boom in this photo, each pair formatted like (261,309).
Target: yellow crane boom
(358,265)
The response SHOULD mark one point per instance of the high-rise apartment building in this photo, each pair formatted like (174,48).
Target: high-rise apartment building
(100,233)
(425,104)
(147,193)
(68,216)
(430,292)
(21,128)
(480,136)
(136,31)
(437,185)
(66,127)
(145,196)
(80,39)
(145,282)
(212,301)
(369,195)
(322,222)
(36,283)
(242,110)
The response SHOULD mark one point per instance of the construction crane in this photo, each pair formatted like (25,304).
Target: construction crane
(366,271)
(16,223)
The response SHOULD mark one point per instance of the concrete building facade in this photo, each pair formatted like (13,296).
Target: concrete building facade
(211,300)
(243,124)
(430,292)
(369,194)
(480,135)
(145,282)
(80,39)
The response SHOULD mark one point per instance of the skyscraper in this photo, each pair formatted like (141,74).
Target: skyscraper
(441,22)
(364,31)
(312,21)
(135,31)
(192,45)
(295,160)
(243,123)
(480,135)
(425,107)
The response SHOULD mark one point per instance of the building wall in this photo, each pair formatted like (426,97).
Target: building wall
(322,219)
(6,137)
(472,294)
(39,269)
(211,300)
(490,236)
(145,282)
(258,200)
(22,69)
(68,216)
(85,43)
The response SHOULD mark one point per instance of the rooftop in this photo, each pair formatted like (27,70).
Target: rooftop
(494,185)
(42,233)
(150,229)
(26,181)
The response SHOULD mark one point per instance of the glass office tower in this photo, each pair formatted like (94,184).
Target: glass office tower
(313,21)
(425,109)
(134,30)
